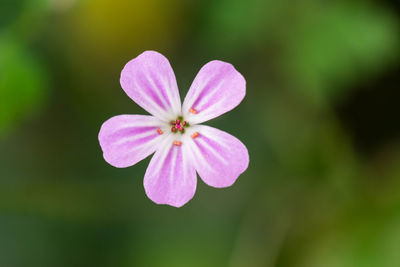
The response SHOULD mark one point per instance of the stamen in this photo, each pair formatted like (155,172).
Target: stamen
(195,135)
(192,110)
(179,125)
(177,143)
(159,131)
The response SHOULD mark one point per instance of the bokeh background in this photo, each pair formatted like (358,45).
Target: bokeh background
(320,121)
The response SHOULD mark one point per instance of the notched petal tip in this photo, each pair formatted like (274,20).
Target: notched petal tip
(169,203)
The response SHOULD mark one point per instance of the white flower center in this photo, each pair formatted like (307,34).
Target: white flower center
(178,126)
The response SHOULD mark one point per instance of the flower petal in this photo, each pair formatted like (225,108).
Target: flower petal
(170,177)
(127,139)
(219,158)
(217,88)
(150,81)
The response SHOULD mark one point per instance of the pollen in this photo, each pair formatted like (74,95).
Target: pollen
(192,110)
(177,143)
(159,131)
(195,135)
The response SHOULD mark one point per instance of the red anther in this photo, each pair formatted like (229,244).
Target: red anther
(159,131)
(177,143)
(192,110)
(179,125)
(195,135)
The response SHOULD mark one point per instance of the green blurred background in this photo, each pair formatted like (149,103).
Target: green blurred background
(320,121)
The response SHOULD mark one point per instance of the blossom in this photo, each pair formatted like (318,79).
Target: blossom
(181,144)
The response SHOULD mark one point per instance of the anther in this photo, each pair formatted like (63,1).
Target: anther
(192,110)
(177,143)
(159,131)
(178,125)
(195,135)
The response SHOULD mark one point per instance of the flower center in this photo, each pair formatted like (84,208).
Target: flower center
(179,125)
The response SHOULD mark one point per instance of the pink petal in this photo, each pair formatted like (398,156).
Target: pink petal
(150,81)
(127,139)
(170,177)
(219,158)
(217,88)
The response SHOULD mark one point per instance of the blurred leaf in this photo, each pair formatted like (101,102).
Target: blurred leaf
(368,240)
(335,44)
(29,21)
(23,83)
(9,10)
(233,26)
(23,18)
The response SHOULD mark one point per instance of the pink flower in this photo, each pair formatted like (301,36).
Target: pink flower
(182,146)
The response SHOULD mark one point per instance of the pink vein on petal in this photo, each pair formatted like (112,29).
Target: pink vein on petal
(150,81)
(217,88)
(220,157)
(127,139)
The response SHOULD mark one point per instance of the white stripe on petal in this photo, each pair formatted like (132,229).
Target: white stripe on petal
(170,177)
(219,158)
(217,88)
(127,139)
(143,79)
